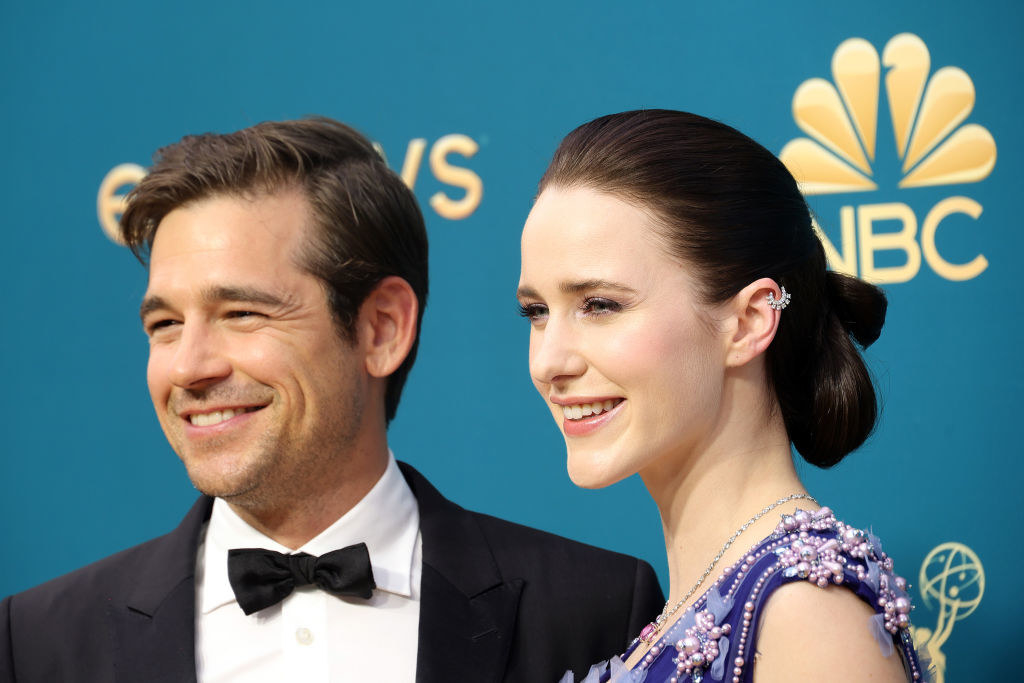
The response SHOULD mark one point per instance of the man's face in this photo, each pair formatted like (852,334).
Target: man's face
(254,388)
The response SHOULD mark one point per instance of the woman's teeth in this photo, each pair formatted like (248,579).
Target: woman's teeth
(582,410)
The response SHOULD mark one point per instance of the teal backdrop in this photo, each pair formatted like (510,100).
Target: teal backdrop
(469,100)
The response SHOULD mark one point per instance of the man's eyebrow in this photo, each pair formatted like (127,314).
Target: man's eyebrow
(245,295)
(150,304)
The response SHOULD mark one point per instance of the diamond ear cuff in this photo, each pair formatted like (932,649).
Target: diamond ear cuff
(781,302)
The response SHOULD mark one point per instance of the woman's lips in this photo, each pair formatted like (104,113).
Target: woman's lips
(583,418)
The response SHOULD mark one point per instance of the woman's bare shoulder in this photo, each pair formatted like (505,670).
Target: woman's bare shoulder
(809,633)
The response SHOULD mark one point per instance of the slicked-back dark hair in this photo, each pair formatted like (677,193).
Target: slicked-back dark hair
(730,209)
(368,225)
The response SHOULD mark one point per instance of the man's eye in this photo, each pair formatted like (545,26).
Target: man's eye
(158,325)
(243,314)
(533,312)
(597,306)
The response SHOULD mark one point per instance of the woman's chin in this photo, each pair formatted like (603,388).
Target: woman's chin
(594,470)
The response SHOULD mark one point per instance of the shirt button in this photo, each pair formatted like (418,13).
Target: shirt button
(304,636)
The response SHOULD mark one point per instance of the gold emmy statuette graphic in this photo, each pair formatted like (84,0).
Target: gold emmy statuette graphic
(952,583)
(841,120)
(109,204)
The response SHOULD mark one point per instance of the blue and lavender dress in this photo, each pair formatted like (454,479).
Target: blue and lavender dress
(716,638)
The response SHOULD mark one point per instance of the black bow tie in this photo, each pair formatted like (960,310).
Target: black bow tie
(261,578)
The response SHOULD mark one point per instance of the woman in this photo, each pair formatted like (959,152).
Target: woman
(684,327)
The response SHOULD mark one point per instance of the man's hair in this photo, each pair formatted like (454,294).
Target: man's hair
(368,225)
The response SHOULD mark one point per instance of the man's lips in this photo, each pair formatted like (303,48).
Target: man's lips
(211,417)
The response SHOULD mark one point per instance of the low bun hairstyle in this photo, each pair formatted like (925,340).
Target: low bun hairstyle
(731,209)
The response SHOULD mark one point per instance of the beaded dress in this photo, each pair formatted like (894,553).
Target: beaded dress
(715,639)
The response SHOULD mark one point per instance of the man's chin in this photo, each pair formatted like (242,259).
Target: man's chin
(231,484)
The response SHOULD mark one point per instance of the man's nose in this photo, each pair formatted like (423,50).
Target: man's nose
(554,354)
(199,359)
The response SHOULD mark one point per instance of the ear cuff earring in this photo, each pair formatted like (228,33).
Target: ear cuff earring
(781,302)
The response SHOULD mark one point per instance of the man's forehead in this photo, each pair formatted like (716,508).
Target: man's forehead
(270,229)
(229,248)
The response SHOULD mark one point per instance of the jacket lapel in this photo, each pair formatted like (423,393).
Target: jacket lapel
(467,609)
(155,626)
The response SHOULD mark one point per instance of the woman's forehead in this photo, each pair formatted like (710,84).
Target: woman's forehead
(581,234)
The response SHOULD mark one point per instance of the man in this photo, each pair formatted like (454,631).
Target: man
(287,280)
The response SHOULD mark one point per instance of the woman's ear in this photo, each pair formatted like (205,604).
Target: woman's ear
(756,321)
(387,325)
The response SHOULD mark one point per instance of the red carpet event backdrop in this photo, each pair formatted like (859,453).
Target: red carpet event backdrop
(901,122)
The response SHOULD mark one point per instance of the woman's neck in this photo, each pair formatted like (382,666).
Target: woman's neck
(706,495)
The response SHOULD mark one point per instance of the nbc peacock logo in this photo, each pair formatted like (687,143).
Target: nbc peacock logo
(932,144)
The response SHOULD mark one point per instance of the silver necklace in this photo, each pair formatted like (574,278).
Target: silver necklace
(652,629)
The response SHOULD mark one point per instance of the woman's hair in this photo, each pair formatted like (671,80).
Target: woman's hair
(728,207)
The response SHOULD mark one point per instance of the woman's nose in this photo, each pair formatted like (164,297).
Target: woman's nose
(554,354)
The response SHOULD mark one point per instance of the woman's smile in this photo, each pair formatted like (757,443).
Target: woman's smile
(581,418)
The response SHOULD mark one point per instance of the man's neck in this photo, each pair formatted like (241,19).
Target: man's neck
(303,514)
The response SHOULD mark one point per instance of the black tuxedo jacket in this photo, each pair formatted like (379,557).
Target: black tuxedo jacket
(500,602)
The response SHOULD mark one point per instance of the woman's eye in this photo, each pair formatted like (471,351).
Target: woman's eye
(597,306)
(533,312)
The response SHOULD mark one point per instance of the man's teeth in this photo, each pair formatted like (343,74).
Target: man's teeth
(216,417)
(582,410)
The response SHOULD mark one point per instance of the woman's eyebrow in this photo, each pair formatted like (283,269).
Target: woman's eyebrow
(525,292)
(577,286)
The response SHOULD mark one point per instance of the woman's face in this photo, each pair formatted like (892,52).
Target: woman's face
(627,359)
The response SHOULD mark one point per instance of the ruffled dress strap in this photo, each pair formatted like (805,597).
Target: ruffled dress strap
(716,638)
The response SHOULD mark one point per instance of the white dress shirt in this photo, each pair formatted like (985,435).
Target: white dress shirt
(312,635)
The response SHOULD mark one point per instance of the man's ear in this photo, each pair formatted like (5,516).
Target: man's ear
(755,321)
(387,325)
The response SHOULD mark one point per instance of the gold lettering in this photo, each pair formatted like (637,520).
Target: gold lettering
(455,175)
(109,205)
(413,161)
(903,240)
(845,262)
(950,271)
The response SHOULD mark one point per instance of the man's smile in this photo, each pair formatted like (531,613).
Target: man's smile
(216,417)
